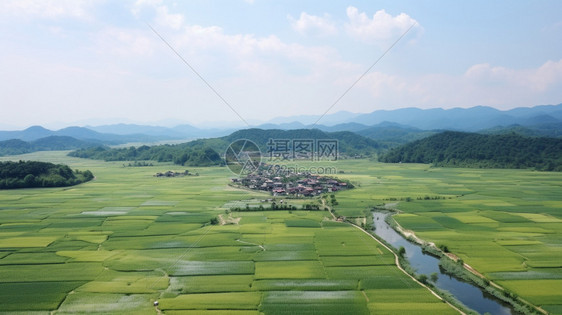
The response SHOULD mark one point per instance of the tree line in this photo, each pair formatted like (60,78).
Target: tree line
(181,154)
(30,174)
(461,149)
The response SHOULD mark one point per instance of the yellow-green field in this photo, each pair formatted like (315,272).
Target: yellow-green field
(126,239)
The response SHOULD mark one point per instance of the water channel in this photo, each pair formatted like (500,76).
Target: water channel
(470,295)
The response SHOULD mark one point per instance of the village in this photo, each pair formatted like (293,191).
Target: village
(291,184)
(175,174)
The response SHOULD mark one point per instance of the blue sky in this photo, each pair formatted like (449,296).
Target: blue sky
(68,62)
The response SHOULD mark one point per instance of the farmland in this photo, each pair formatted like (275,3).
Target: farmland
(126,239)
(506,224)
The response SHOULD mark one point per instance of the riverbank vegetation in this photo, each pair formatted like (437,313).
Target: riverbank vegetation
(457,268)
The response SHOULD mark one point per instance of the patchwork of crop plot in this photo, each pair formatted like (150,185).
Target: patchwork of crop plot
(126,239)
(507,224)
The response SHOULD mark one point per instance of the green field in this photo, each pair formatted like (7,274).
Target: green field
(126,239)
(507,224)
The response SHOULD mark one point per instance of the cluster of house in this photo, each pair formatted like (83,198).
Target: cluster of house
(293,184)
(172,174)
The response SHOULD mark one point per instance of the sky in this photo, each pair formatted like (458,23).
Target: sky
(213,63)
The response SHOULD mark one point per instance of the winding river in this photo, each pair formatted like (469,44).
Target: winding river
(470,295)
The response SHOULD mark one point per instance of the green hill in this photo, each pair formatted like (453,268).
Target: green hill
(14,147)
(477,150)
(50,143)
(206,152)
(393,135)
(349,143)
(182,154)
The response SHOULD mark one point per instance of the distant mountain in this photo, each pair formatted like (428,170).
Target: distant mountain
(283,126)
(463,149)
(329,119)
(386,126)
(81,133)
(128,129)
(462,119)
(393,134)
(29,134)
(178,132)
(349,143)
(352,126)
(465,119)
(50,143)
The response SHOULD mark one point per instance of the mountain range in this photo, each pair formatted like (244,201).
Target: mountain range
(388,126)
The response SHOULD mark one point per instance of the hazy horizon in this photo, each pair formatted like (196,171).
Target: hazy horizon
(326,120)
(95,62)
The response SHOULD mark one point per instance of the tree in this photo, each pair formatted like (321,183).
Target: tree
(433,277)
(39,174)
(29,180)
(401,251)
(88,175)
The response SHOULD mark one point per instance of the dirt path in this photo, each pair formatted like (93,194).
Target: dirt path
(324,205)
(221,220)
(397,262)
(229,220)
(258,245)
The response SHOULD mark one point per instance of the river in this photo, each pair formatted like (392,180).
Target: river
(470,295)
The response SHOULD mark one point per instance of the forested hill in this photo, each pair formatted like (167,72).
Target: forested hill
(39,174)
(349,143)
(183,154)
(477,150)
(207,152)
(50,143)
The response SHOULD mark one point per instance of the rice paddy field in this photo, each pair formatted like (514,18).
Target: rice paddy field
(506,224)
(127,239)
(117,244)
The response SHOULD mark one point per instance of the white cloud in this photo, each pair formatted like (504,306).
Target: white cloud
(126,71)
(539,79)
(307,24)
(480,84)
(381,27)
(123,42)
(46,8)
(163,17)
